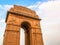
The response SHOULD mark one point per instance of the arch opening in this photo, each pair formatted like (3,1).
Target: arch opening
(25,26)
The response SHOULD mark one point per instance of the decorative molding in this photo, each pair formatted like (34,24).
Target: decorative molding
(37,33)
(20,15)
(12,30)
(14,25)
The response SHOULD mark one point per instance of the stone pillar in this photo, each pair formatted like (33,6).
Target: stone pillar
(36,37)
(12,35)
(27,38)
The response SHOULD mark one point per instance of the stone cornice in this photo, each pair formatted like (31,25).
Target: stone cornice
(20,15)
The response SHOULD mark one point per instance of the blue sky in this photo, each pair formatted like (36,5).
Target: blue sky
(47,10)
(20,2)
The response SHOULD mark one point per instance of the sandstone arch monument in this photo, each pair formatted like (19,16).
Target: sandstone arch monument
(21,17)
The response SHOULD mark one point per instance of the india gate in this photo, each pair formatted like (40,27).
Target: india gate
(21,17)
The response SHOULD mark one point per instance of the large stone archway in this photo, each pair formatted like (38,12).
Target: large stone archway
(18,17)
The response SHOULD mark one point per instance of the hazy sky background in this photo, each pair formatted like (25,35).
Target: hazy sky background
(48,11)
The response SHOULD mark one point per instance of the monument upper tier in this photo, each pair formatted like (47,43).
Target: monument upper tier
(21,10)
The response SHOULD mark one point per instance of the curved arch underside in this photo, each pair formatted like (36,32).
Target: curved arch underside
(26,26)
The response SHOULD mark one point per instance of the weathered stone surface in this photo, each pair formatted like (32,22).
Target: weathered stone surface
(22,17)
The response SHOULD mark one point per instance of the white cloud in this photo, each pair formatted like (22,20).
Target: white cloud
(7,7)
(50,14)
(2,21)
(3,10)
(2,29)
(0,6)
